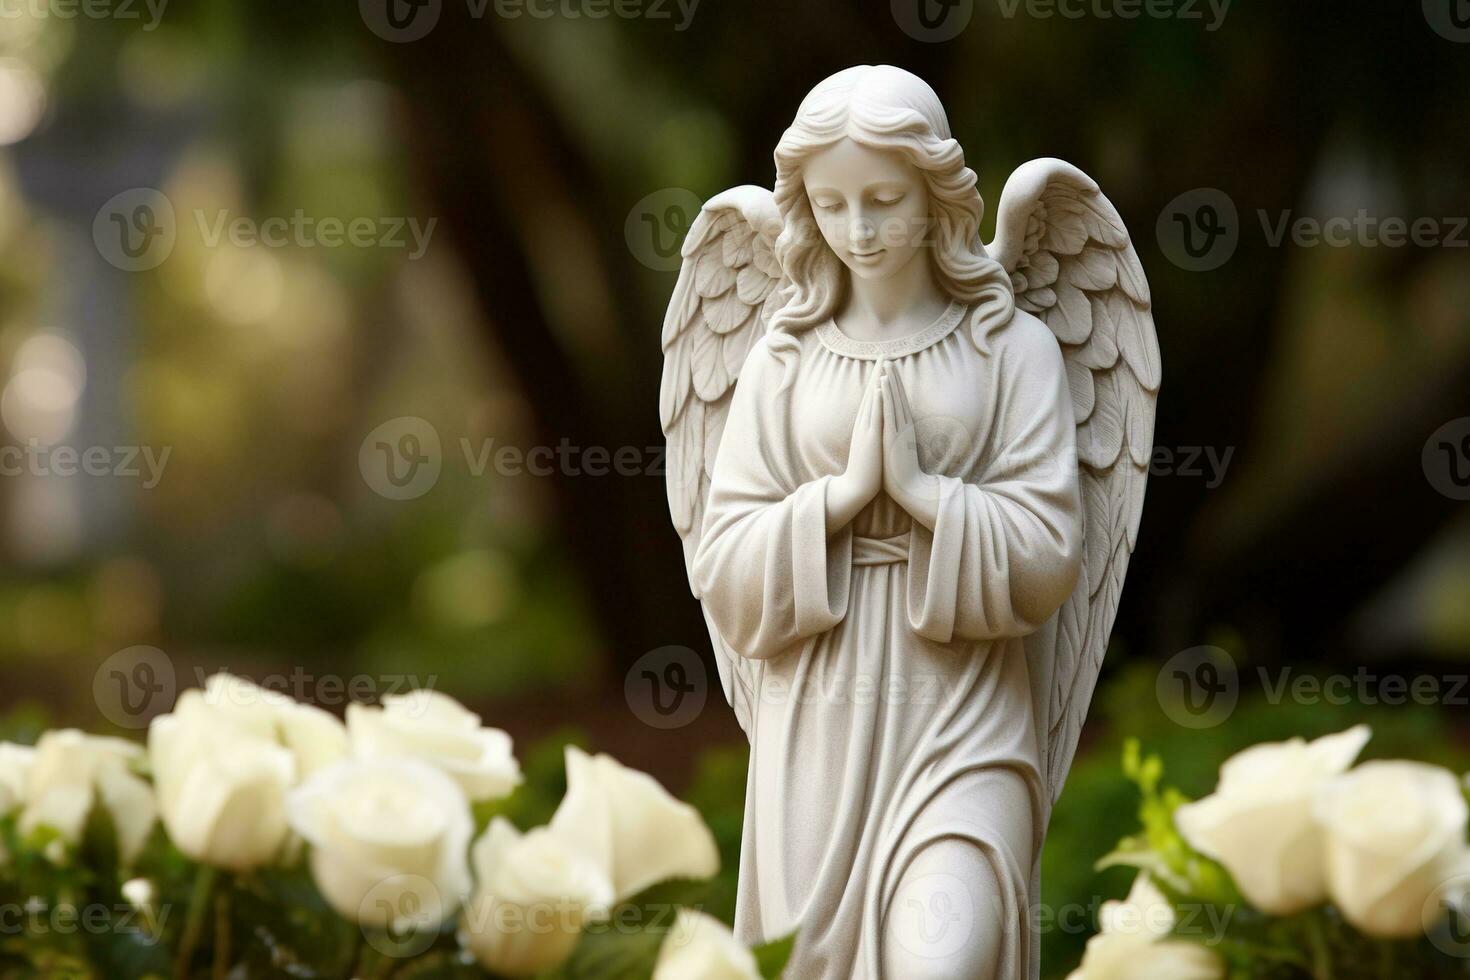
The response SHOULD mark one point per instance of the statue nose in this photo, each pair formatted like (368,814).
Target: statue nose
(862,231)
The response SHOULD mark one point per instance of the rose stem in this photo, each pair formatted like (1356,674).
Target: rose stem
(222,934)
(194,924)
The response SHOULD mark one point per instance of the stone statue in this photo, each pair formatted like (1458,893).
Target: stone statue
(908,578)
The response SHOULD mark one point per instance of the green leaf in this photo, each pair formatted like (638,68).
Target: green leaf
(608,953)
(772,957)
(659,901)
(626,945)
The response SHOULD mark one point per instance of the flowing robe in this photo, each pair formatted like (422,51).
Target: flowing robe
(878,671)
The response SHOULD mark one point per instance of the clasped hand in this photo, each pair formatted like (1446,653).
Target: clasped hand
(883,455)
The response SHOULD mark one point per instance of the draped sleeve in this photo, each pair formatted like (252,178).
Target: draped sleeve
(1006,547)
(766,570)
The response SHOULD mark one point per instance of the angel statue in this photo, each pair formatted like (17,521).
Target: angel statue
(908,578)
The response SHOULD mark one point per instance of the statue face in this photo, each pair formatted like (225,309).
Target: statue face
(872,207)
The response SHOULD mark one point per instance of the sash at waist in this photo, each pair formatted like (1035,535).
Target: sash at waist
(880,551)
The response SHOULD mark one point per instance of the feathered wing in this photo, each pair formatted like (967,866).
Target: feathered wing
(729,285)
(1073,265)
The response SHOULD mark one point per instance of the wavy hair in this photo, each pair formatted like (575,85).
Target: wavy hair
(884,108)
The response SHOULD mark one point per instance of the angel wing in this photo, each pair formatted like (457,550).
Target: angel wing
(1072,264)
(729,285)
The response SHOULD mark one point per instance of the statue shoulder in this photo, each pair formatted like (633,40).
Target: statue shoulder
(1027,341)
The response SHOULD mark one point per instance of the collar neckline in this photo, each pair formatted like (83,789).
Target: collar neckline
(838,342)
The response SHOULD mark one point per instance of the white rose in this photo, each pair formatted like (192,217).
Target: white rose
(701,946)
(222,793)
(15,767)
(1395,834)
(437,729)
(315,737)
(221,769)
(223,761)
(1259,822)
(631,826)
(389,840)
(533,892)
(1134,943)
(71,771)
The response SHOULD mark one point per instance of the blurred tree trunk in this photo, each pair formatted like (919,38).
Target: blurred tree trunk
(481,129)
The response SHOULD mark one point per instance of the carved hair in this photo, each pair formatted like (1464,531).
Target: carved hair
(884,108)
